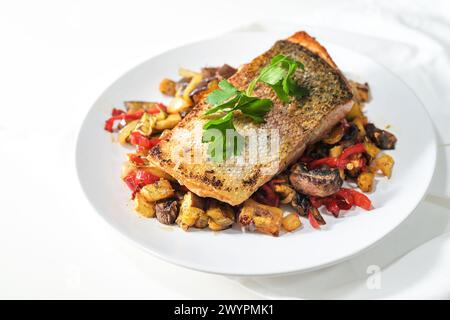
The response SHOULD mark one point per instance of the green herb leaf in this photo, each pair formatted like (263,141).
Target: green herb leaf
(256,109)
(278,74)
(224,141)
(219,96)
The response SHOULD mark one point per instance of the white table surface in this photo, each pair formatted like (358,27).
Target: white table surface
(56,58)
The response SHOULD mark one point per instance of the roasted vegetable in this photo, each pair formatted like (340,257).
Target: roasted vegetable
(335,135)
(382,138)
(285,191)
(360,91)
(145,125)
(168,123)
(336,151)
(167,87)
(143,207)
(319,182)
(371,149)
(202,221)
(359,123)
(316,215)
(221,215)
(355,111)
(191,209)
(384,163)
(291,222)
(365,181)
(149,107)
(263,218)
(301,204)
(158,190)
(166,211)
(178,104)
(125,132)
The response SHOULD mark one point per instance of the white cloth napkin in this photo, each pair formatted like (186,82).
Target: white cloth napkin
(417,49)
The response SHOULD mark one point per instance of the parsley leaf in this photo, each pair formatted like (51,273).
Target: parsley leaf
(224,141)
(278,75)
(219,96)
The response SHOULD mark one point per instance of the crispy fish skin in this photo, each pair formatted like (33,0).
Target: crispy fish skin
(300,123)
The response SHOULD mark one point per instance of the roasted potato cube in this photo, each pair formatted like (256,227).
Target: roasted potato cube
(143,207)
(264,218)
(356,111)
(215,226)
(285,191)
(371,149)
(188,217)
(384,163)
(127,168)
(365,181)
(202,221)
(221,215)
(178,104)
(336,151)
(167,87)
(291,222)
(161,189)
(168,123)
(359,122)
(191,210)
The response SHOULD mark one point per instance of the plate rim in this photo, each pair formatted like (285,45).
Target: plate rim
(286,271)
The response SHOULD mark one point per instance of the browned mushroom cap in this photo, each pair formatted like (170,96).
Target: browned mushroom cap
(320,182)
(166,211)
(382,138)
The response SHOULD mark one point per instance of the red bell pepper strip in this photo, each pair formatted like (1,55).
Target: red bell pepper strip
(116,112)
(316,202)
(157,109)
(339,162)
(313,221)
(359,199)
(331,205)
(136,159)
(122,116)
(329,161)
(139,140)
(357,148)
(138,179)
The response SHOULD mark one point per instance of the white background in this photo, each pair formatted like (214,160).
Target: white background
(56,58)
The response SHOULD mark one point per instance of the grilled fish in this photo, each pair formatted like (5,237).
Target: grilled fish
(297,123)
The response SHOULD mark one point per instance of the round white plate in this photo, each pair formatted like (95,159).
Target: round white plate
(232,252)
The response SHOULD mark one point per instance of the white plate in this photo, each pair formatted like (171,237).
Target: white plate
(232,252)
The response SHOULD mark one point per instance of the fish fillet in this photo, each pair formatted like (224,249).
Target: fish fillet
(297,124)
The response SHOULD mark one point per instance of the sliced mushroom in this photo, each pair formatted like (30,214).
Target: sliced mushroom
(320,182)
(166,211)
(301,204)
(382,138)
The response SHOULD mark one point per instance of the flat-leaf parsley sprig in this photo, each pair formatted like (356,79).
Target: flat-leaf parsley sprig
(278,75)
(226,99)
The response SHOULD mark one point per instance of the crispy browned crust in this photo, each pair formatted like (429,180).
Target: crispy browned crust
(299,123)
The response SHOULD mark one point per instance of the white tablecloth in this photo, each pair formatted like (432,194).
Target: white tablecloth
(58,56)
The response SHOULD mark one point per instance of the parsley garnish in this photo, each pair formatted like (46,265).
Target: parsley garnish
(227,141)
(278,75)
